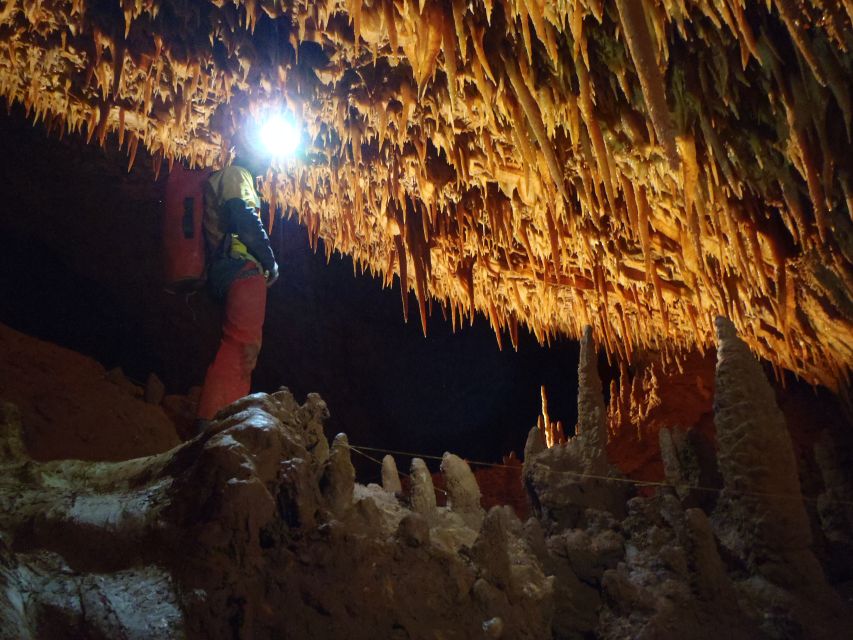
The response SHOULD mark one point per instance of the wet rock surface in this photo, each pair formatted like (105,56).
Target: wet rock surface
(257,528)
(679,564)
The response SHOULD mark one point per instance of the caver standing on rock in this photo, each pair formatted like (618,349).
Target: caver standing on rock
(241,266)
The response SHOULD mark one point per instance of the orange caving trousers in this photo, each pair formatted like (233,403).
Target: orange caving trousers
(230,375)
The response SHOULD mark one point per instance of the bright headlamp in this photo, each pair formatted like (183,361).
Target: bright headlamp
(278,136)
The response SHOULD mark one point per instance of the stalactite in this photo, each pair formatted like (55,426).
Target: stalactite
(631,15)
(528,136)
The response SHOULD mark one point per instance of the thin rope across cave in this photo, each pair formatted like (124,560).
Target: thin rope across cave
(360,449)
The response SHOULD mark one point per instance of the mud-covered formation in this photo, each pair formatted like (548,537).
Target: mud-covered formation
(696,559)
(257,529)
(640,167)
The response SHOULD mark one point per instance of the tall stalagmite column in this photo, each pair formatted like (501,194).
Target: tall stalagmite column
(760,516)
(565,480)
(590,440)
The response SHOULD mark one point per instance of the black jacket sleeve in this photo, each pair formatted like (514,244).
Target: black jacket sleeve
(243,221)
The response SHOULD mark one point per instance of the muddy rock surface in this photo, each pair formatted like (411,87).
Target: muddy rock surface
(74,408)
(259,528)
(254,529)
(675,564)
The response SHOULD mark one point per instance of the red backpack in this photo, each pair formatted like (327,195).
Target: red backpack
(183,237)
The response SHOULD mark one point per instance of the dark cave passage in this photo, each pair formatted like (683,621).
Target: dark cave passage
(667,183)
(82,268)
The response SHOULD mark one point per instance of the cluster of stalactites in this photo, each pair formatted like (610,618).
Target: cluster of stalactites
(641,167)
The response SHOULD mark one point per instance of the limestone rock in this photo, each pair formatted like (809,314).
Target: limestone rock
(228,535)
(762,499)
(118,378)
(670,583)
(835,503)
(11,441)
(680,461)
(298,500)
(413,530)
(463,492)
(576,603)
(710,581)
(591,439)
(390,476)
(423,490)
(509,571)
(339,477)
(310,416)
(72,408)
(42,597)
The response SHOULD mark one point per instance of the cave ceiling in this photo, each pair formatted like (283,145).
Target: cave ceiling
(640,166)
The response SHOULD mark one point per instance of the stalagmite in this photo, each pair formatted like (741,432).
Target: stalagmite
(552,432)
(566,479)
(390,476)
(757,462)
(213,540)
(462,489)
(339,476)
(591,437)
(423,491)
(679,461)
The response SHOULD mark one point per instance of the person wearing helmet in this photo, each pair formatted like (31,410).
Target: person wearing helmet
(241,266)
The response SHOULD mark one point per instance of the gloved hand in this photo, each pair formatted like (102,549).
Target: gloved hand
(272,276)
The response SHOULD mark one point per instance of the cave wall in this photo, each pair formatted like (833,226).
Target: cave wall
(652,394)
(93,282)
(84,268)
(257,528)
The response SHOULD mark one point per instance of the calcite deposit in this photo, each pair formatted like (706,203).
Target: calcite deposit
(650,176)
(739,565)
(637,166)
(257,528)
